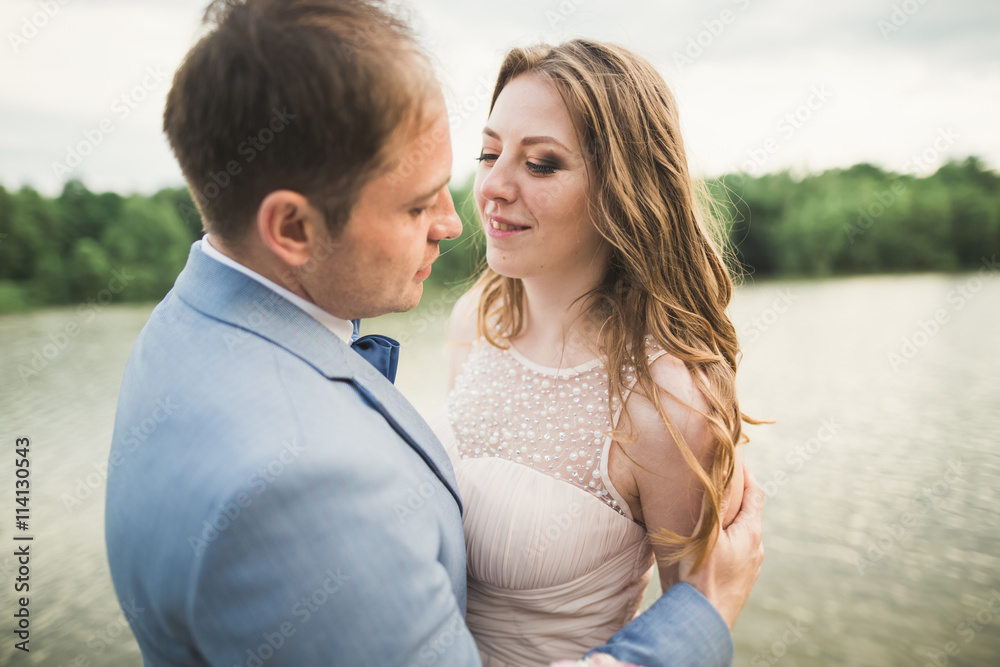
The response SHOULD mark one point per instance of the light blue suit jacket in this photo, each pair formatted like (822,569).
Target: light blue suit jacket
(273,500)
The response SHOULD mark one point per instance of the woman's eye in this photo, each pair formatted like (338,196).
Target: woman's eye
(541,168)
(487,157)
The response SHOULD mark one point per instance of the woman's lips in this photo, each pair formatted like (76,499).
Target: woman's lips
(499,227)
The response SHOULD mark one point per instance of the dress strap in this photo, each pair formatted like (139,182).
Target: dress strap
(605,454)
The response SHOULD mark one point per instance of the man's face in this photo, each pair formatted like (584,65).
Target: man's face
(380,259)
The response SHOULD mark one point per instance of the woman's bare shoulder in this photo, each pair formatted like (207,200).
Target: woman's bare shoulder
(657,456)
(465,312)
(462,332)
(683,402)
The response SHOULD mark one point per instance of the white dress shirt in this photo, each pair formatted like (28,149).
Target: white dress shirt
(343,329)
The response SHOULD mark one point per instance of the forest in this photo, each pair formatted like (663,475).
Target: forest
(83,245)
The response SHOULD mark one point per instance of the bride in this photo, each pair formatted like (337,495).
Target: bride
(593,417)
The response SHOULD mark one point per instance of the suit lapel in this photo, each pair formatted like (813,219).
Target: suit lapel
(233,297)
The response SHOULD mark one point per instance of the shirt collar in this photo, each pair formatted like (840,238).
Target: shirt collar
(343,329)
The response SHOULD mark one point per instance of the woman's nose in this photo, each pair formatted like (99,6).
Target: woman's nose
(497,184)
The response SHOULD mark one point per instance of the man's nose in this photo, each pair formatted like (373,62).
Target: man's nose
(447,224)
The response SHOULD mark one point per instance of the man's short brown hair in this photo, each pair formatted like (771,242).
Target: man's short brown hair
(303,95)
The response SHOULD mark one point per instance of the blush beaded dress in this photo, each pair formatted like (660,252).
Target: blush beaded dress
(556,565)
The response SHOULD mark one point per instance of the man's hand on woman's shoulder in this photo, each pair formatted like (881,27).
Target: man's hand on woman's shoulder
(732,568)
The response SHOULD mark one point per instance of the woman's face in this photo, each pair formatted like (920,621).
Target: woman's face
(532,188)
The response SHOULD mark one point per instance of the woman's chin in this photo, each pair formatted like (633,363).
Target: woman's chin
(503,266)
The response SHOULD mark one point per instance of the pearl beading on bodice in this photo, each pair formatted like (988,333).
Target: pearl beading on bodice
(553,420)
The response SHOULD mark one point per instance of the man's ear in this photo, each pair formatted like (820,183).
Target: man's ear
(289,226)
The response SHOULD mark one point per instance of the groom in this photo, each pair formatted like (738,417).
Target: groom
(293,508)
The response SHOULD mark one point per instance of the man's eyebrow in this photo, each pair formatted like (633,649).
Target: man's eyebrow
(528,141)
(430,193)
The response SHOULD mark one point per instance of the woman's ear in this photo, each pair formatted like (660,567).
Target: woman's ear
(289,226)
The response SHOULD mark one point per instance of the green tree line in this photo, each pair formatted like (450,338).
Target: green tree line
(862,220)
(69,249)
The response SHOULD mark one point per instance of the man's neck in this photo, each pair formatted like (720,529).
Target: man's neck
(342,328)
(257,262)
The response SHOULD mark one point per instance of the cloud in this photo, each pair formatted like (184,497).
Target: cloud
(891,91)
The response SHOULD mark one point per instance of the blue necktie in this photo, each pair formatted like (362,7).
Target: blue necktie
(381,352)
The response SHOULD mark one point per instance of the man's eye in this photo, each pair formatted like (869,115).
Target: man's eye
(417,212)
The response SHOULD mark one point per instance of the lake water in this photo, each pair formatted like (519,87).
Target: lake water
(883,468)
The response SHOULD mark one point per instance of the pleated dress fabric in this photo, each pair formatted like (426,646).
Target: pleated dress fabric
(556,565)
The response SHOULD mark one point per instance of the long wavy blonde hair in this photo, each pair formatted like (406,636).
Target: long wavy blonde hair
(666,278)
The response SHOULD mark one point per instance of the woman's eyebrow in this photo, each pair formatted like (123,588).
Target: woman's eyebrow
(529,141)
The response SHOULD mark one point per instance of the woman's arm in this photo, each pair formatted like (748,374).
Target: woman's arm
(661,489)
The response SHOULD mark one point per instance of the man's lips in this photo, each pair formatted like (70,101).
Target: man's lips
(423,273)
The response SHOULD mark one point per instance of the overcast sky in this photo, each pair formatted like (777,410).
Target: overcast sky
(763,85)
